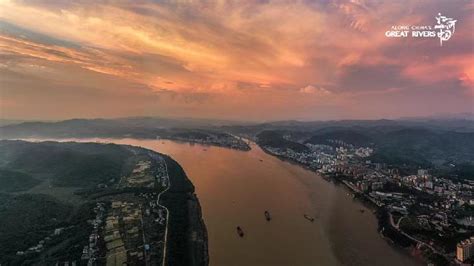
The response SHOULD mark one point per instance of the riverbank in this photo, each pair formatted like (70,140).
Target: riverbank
(182,204)
(389,233)
(234,189)
(233,143)
(197,232)
(187,233)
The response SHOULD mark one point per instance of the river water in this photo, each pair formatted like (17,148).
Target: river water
(236,187)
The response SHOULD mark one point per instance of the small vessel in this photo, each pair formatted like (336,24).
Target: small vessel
(309,218)
(267,216)
(240,232)
(260,160)
(362,210)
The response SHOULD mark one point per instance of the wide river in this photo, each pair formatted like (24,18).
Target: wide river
(236,187)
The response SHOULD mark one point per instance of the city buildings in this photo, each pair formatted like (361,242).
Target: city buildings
(425,206)
(465,249)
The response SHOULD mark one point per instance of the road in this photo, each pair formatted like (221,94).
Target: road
(167,213)
(397,227)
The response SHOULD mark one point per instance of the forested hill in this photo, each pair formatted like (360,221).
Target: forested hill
(40,225)
(66,164)
(411,147)
(426,144)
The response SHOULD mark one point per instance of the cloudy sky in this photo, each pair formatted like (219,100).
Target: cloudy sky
(244,60)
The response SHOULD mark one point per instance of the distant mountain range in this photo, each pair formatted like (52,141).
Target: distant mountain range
(138,127)
(150,127)
(416,142)
(455,116)
(4,122)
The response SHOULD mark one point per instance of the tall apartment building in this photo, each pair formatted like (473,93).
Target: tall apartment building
(465,249)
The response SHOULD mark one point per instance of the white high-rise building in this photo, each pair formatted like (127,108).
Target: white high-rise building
(465,249)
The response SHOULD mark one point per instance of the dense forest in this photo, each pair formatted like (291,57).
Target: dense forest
(26,219)
(14,181)
(29,219)
(66,164)
(275,139)
(176,199)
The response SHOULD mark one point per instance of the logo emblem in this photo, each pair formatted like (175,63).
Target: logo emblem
(446,27)
(443,30)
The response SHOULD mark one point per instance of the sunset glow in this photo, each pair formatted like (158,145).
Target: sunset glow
(245,60)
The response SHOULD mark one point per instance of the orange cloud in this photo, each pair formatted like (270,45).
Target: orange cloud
(252,54)
(450,67)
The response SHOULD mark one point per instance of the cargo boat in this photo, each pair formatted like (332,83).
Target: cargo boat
(267,216)
(309,218)
(240,232)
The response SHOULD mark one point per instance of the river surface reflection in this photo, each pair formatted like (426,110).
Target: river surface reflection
(236,187)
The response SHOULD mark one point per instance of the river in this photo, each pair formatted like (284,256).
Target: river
(236,187)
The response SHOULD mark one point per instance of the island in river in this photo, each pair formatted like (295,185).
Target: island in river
(96,203)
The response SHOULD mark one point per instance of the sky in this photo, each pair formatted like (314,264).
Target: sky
(239,60)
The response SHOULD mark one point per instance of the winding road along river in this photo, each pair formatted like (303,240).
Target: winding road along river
(236,187)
